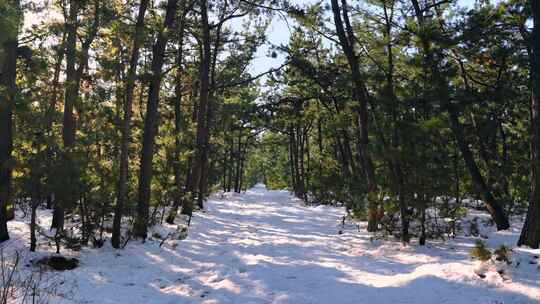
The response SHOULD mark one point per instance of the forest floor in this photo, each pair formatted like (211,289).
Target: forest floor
(264,246)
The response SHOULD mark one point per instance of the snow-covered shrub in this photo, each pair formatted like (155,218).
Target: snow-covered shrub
(480,251)
(492,263)
(503,254)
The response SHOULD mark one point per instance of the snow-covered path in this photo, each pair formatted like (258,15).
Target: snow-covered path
(265,247)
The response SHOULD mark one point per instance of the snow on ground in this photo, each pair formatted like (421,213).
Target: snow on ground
(266,247)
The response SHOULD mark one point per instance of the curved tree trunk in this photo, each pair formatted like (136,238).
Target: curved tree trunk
(483,190)
(492,205)
(360,94)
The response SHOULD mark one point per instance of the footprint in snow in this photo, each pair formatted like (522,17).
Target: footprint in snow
(161,283)
(183,279)
(290,277)
(216,279)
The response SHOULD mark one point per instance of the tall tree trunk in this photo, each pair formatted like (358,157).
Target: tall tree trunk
(72,87)
(51,110)
(150,122)
(55,84)
(242,170)
(205,173)
(122,187)
(8,91)
(70,97)
(33,239)
(202,112)
(294,159)
(178,118)
(360,94)
(530,234)
(203,184)
(238,164)
(229,164)
(73,80)
(395,158)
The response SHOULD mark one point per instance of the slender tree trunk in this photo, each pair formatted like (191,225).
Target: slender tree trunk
(73,80)
(33,239)
(242,162)
(301,165)
(122,187)
(238,164)
(231,171)
(51,110)
(70,97)
(294,160)
(55,84)
(388,9)
(343,157)
(150,122)
(530,234)
(202,113)
(203,184)
(72,88)
(360,94)
(422,238)
(8,91)
(178,118)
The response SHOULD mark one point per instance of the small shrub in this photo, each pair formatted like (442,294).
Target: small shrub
(59,263)
(503,253)
(480,251)
(357,206)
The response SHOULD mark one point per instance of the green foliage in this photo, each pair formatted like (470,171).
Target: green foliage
(357,206)
(503,253)
(480,251)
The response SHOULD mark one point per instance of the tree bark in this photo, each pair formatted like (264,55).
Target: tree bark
(72,87)
(178,118)
(493,206)
(530,234)
(73,80)
(122,187)
(150,122)
(360,94)
(395,158)
(8,91)
(70,96)
(202,111)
